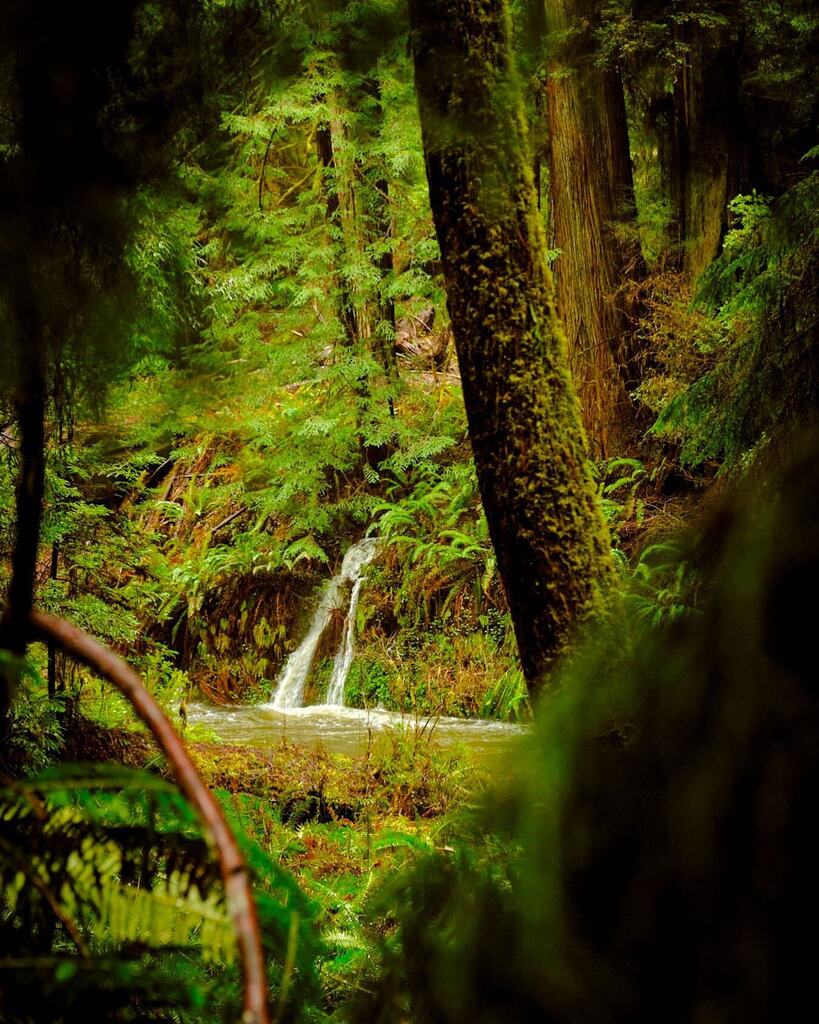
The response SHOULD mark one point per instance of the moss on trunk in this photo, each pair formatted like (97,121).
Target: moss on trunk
(524,420)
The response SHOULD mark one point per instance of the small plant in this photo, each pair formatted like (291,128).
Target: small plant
(662,584)
(36,729)
(508,699)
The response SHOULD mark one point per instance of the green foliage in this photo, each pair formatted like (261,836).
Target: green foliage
(641,789)
(508,699)
(246,440)
(368,684)
(104,861)
(618,492)
(761,375)
(439,535)
(662,584)
(108,862)
(36,731)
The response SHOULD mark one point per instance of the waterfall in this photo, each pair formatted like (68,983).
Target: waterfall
(289,689)
(344,655)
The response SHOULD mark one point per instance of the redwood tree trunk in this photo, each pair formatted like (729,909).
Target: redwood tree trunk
(595,228)
(524,420)
(711,158)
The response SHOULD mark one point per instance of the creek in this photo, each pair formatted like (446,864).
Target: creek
(332,725)
(342,730)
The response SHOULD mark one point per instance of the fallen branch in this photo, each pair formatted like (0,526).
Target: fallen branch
(226,520)
(238,892)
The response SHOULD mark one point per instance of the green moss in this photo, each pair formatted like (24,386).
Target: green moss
(538,494)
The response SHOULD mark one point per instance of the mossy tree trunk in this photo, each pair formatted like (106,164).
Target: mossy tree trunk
(524,420)
(595,227)
(381,237)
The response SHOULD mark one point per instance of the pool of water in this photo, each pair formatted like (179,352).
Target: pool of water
(343,730)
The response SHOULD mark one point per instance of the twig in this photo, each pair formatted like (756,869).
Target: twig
(227,519)
(238,892)
(293,188)
(264,165)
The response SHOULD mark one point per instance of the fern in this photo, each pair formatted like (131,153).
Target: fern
(104,860)
(107,861)
(761,379)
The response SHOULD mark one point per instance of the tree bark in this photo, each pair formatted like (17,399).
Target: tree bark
(51,664)
(380,235)
(711,151)
(384,333)
(346,307)
(524,421)
(593,208)
(30,408)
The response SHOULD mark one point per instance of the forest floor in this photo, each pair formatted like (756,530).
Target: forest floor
(340,825)
(398,775)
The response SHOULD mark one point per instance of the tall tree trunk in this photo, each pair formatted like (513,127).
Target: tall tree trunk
(384,334)
(382,232)
(524,420)
(595,228)
(326,157)
(379,239)
(30,406)
(379,242)
(711,155)
(51,663)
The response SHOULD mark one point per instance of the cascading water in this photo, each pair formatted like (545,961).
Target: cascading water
(344,655)
(289,690)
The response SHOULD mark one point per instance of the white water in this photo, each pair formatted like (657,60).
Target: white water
(289,689)
(344,655)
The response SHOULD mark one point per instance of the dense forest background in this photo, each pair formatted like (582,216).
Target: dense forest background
(528,292)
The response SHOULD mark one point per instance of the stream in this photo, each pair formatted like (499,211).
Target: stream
(343,730)
(332,725)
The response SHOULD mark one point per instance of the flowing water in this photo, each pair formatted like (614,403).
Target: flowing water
(289,690)
(344,655)
(343,730)
(333,726)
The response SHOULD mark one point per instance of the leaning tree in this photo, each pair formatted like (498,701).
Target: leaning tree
(523,414)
